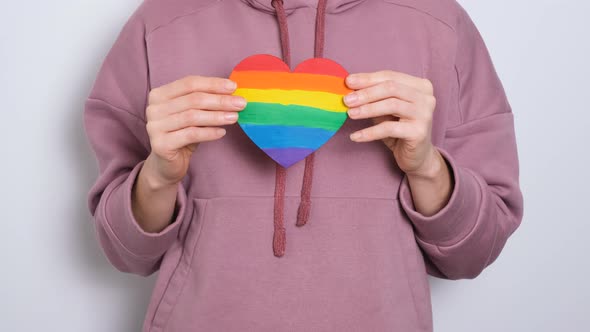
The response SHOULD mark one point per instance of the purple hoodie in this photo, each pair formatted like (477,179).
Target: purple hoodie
(360,262)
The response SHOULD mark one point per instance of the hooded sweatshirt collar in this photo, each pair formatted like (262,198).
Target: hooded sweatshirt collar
(333,6)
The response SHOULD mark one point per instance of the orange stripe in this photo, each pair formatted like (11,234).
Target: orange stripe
(253,79)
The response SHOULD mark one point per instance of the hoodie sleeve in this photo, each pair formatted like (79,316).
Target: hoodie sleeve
(114,121)
(486,204)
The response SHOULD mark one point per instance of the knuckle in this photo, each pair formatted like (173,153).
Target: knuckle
(375,131)
(364,108)
(404,107)
(431,101)
(193,134)
(421,115)
(428,116)
(389,74)
(150,127)
(386,73)
(393,104)
(389,128)
(390,85)
(194,117)
(184,118)
(362,95)
(188,83)
(192,78)
(367,134)
(219,83)
(386,129)
(222,101)
(427,84)
(196,99)
(192,82)
(400,105)
(220,117)
(174,121)
(428,123)
(154,95)
(150,111)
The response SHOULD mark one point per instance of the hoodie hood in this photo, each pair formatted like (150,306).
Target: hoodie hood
(332,6)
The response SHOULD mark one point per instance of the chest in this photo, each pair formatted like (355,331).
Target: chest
(234,165)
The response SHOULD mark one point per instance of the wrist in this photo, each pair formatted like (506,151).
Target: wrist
(152,181)
(433,167)
(432,188)
(152,200)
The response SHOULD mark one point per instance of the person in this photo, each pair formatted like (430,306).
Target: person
(421,179)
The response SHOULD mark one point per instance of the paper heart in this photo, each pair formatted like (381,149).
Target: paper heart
(289,115)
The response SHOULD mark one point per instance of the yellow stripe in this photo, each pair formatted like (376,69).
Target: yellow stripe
(327,101)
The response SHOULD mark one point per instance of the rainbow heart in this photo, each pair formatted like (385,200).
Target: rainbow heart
(289,115)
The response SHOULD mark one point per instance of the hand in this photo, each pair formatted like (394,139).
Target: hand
(182,114)
(401,107)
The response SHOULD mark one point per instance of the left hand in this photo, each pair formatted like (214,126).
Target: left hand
(401,107)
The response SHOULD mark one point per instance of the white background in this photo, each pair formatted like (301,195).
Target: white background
(55,278)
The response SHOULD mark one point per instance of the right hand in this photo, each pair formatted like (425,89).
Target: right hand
(182,114)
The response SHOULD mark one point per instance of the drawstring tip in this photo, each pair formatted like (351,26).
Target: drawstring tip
(303,213)
(278,243)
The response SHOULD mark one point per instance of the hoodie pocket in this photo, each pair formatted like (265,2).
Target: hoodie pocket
(177,279)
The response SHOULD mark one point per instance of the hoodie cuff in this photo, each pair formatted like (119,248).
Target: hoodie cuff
(457,218)
(122,222)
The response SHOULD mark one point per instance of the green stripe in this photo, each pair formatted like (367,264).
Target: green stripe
(291,115)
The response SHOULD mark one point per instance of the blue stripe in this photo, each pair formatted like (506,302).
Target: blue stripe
(267,137)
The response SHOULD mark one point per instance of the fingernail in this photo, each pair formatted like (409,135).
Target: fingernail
(354,111)
(220,131)
(230,85)
(352,79)
(231,116)
(355,136)
(350,98)
(239,102)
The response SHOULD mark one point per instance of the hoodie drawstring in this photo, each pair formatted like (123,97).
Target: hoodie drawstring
(279,236)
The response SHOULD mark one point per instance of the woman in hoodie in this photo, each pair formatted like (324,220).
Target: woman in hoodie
(421,178)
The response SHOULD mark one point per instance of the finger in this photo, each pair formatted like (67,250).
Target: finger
(191,135)
(363,80)
(196,118)
(381,91)
(389,106)
(385,129)
(191,84)
(197,100)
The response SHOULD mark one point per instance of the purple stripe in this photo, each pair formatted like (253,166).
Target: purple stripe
(287,156)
